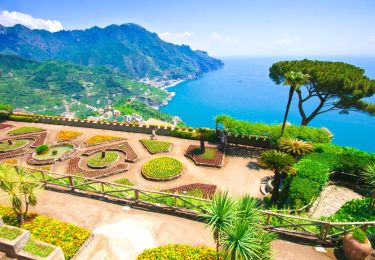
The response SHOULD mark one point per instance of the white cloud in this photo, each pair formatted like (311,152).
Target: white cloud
(288,40)
(177,38)
(222,38)
(12,18)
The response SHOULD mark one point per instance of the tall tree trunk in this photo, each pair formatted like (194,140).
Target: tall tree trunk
(291,92)
(276,187)
(217,241)
(203,147)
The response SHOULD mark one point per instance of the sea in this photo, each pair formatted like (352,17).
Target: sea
(242,89)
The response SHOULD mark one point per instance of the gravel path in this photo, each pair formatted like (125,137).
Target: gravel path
(331,200)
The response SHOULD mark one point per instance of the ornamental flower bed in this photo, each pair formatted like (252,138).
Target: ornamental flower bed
(162,169)
(154,146)
(200,190)
(65,136)
(11,161)
(213,157)
(5,126)
(97,161)
(124,147)
(67,236)
(179,251)
(100,139)
(5,146)
(25,130)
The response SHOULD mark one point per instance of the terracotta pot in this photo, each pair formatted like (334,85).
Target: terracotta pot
(353,249)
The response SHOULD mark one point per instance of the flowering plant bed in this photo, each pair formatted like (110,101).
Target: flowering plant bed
(124,181)
(11,161)
(100,139)
(5,146)
(97,161)
(200,190)
(64,235)
(212,157)
(162,169)
(179,251)
(65,136)
(124,147)
(154,146)
(25,130)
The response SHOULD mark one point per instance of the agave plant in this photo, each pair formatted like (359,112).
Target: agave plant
(295,146)
(369,177)
(281,164)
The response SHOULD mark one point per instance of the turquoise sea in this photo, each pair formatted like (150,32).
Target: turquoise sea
(242,89)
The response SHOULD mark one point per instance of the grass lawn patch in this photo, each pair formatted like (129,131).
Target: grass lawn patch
(124,181)
(97,161)
(25,130)
(155,146)
(65,136)
(179,252)
(211,157)
(67,236)
(162,168)
(5,146)
(198,190)
(38,249)
(100,139)
(9,233)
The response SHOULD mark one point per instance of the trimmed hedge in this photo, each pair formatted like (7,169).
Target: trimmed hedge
(241,127)
(24,118)
(314,169)
(209,136)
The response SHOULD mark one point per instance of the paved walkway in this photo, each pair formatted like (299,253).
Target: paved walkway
(331,200)
(121,232)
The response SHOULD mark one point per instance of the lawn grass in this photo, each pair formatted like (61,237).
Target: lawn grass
(124,181)
(155,146)
(162,167)
(25,130)
(96,161)
(208,154)
(37,249)
(99,139)
(9,233)
(5,146)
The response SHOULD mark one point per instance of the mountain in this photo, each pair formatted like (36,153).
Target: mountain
(56,87)
(128,48)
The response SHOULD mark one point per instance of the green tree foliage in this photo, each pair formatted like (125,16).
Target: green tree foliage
(335,85)
(369,176)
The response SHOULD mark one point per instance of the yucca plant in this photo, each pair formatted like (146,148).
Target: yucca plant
(295,146)
(369,177)
(281,164)
(19,189)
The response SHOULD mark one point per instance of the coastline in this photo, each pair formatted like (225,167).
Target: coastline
(174,83)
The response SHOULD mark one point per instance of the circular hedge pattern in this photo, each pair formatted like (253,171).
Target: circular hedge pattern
(96,161)
(162,168)
(15,144)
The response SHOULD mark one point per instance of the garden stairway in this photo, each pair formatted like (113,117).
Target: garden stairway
(331,200)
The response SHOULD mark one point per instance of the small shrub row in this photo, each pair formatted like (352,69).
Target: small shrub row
(41,149)
(24,118)
(240,127)
(210,135)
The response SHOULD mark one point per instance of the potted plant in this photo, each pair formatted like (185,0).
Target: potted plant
(356,246)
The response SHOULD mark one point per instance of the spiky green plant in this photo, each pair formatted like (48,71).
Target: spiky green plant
(281,164)
(295,146)
(369,177)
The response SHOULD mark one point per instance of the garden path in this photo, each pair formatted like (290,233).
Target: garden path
(331,199)
(111,223)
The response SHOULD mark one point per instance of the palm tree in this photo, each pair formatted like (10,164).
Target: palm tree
(295,146)
(369,176)
(20,189)
(281,164)
(220,212)
(294,80)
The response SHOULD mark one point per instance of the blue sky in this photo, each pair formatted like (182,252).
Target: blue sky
(221,27)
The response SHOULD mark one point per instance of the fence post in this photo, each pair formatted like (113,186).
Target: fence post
(175,200)
(322,232)
(71,183)
(102,187)
(136,195)
(268,219)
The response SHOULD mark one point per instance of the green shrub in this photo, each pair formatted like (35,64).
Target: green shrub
(6,107)
(9,233)
(162,167)
(359,235)
(210,134)
(41,149)
(302,191)
(24,118)
(240,127)
(313,170)
(178,252)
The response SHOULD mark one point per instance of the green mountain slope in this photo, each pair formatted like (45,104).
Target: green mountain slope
(128,48)
(55,87)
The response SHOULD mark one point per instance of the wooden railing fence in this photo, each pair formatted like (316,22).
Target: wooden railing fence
(322,231)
